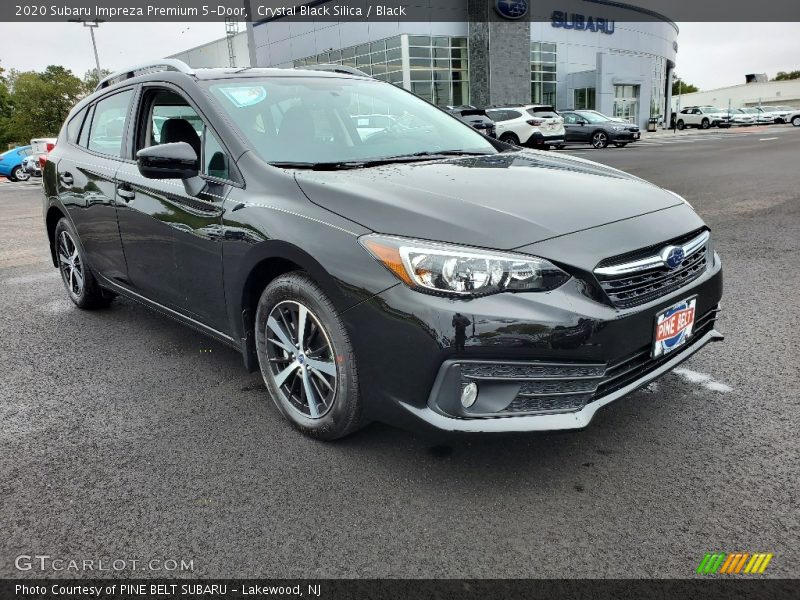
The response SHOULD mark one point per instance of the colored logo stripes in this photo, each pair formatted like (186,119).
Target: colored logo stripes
(735,563)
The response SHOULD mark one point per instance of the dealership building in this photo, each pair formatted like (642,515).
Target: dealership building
(613,57)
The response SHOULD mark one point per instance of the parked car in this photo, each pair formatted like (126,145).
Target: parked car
(42,145)
(590,127)
(11,163)
(475,118)
(703,117)
(760,116)
(742,118)
(426,276)
(31,166)
(779,113)
(529,125)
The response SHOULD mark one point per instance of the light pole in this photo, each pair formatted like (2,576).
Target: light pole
(92,25)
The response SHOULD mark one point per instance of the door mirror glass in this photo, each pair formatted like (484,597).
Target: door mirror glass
(176,160)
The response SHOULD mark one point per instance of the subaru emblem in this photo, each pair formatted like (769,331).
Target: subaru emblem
(511,9)
(673,256)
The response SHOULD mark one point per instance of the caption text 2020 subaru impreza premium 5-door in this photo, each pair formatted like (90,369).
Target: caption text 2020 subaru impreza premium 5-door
(416,273)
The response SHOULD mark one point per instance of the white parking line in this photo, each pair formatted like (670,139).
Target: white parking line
(767,139)
(702,379)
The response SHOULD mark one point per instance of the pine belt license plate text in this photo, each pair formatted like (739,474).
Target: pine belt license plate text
(674,327)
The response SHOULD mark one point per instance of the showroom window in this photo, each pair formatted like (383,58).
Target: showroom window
(583,99)
(439,68)
(543,73)
(439,65)
(658,89)
(382,59)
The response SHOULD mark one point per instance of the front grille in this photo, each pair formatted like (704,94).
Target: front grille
(636,288)
(547,388)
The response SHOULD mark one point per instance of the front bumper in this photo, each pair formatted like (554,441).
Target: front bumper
(416,347)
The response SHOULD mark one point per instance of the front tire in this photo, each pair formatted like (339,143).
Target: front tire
(705,124)
(681,125)
(80,283)
(306,358)
(599,139)
(796,121)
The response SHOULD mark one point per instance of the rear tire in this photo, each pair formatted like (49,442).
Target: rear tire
(315,385)
(681,125)
(796,121)
(80,283)
(510,138)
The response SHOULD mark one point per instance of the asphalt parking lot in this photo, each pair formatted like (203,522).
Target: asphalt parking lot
(125,435)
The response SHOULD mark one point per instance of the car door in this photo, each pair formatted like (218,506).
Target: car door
(172,239)
(85,180)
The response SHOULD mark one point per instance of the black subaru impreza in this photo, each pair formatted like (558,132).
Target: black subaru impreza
(414,272)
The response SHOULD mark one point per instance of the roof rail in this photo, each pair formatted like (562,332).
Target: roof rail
(334,69)
(165,64)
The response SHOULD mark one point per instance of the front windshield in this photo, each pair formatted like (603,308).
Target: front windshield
(313,120)
(593,117)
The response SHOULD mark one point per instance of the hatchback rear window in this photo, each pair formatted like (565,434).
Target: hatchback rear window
(543,112)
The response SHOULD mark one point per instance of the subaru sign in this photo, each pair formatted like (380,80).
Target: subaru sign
(581,22)
(511,9)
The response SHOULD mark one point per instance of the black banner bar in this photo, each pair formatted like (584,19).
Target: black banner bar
(706,588)
(572,12)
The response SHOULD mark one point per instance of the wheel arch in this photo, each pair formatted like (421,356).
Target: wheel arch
(263,264)
(54,215)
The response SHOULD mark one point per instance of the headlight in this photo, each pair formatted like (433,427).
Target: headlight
(446,269)
(619,128)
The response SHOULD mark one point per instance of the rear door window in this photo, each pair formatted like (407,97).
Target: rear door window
(543,112)
(108,124)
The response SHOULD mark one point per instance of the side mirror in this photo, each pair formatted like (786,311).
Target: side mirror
(168,161)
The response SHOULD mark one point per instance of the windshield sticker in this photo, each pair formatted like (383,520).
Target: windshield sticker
(245,96)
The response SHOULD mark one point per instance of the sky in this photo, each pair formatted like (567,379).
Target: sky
(710,55)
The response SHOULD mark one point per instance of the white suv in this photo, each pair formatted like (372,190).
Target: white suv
(703,117)
(528,125)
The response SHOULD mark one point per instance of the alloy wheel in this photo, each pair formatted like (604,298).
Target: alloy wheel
(599,140)
(70,264)
(21,174)
(301,359)
(796,121)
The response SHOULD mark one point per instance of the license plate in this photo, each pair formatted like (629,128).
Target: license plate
(674,327)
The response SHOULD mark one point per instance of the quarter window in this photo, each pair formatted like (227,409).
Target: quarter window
(108,124)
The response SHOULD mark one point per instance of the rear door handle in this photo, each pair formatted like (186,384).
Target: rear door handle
(66,179)
(126,194)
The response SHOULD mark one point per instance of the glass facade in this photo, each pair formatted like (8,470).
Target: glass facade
(543,73)
(584,98)
(658,89)
(626,102)
(438,66)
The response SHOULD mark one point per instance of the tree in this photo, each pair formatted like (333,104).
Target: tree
(42,101)
(681,87)
(784,76)
(6,110)
(90,79)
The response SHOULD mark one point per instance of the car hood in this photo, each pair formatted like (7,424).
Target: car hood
(499,201)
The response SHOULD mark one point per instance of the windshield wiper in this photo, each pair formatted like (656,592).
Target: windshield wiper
(374,162)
